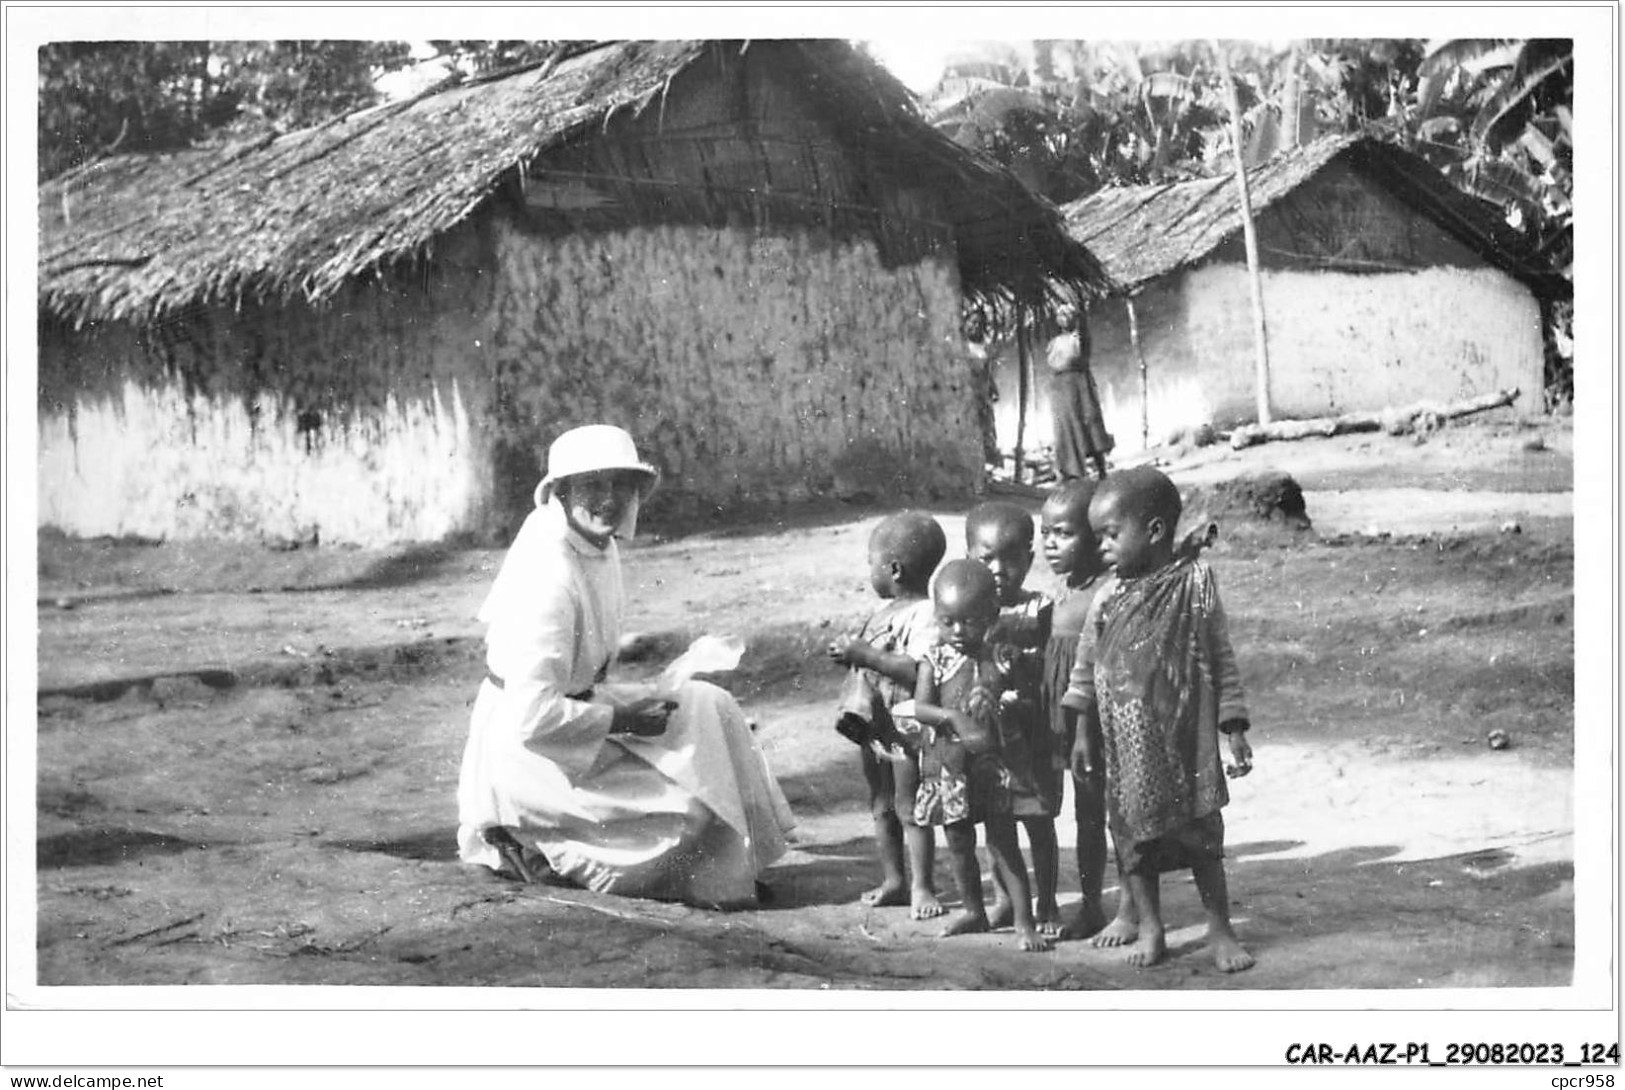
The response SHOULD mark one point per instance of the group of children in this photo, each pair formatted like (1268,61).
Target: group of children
(972,698)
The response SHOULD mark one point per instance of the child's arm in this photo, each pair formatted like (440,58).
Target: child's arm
(1085,724)
(925,683)
(852,651)
(1232,701)
(1079,700)
(975,736)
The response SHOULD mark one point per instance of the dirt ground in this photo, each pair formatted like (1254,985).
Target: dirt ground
(247,758)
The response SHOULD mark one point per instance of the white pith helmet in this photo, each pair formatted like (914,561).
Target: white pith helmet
(589,449)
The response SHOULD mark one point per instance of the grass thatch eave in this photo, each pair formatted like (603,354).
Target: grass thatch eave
(301,214)
(305,212)
(1141,233)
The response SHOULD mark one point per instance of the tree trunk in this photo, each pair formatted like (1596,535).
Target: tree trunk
(1145,383)
(1250,237)
(1022,393)
(1397,421)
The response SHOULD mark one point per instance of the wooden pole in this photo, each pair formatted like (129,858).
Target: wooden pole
(1145,382)
(1261,366)
(1021,391)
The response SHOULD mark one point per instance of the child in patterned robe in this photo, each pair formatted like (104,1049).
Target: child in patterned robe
(965,686)
(1156,670)
(904,549)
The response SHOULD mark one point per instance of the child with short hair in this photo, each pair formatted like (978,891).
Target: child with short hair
(1073,553)
(1000,535)
(904,550)
(963,691)
(1156,670)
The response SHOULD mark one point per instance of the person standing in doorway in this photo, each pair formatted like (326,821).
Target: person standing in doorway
(1081,439)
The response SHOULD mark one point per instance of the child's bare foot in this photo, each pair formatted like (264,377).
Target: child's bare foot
(923,905)
(1047,918)
(1228,954)
(965,923)
(885,895)
(1089,920)
(1119,932)
(1148,950)
(1033,940)
(1002,914)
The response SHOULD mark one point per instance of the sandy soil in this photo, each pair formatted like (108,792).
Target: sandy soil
(247,759)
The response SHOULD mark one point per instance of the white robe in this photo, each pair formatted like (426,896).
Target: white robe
(692,814)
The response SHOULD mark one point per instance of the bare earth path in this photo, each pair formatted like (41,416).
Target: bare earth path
(247,759)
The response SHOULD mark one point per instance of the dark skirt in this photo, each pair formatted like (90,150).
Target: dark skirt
(1197,840)
(1080,428)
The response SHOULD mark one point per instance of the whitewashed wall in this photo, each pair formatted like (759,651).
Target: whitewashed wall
(1338,342)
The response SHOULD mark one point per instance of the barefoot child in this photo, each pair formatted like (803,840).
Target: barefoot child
(1000,535)
(1156,670)
(963,690)
(903,552)
(1073,553)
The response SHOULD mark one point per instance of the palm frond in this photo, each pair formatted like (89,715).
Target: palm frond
(1502,182)
(1473,54)
(1509,95)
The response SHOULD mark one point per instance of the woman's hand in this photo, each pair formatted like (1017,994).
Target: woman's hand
(645,717)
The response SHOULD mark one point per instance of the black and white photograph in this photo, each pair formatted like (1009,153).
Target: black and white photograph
(1007,522)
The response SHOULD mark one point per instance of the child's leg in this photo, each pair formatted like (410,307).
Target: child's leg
(1146,888)
(1125,926)
(1005,849)
(1089,809)
(922,862)
(921,841)
(1003,911)
(893,888)
(1089,812)
(972,916)
(1046,873)
(1228,953)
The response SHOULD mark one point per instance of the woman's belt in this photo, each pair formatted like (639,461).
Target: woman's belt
(584,694)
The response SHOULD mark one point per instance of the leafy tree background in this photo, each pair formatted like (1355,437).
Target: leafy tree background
(101,98)
(98,98)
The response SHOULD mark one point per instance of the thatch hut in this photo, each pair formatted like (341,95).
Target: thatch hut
(1383,285)
(752,254)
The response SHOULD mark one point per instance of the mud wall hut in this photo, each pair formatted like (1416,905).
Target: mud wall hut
(753,255)
(1383,285)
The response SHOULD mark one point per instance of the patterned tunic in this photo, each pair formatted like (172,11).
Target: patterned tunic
(1156,660)
(956,785)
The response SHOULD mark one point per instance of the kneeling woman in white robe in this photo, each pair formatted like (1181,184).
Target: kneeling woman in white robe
(617,787)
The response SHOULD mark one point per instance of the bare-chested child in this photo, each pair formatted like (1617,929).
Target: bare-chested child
(1073,553)
(1156,670)
(904,549)
(1000,535)
(963,690)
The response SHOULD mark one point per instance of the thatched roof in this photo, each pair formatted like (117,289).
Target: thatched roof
(139,237)
(1142,232)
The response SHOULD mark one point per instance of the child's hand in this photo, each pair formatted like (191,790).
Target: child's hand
(1241,755)
(888,753)
(1084,758)
(848,650)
